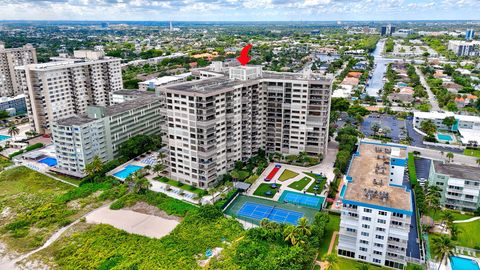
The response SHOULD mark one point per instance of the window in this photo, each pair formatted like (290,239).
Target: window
(397,215)
(377,261)
(366,218)
(364,242)
(378,245)
(367,210)
(346,253)
(361,257)
(376,252)
(365,226)
(381,237)
(351,230)
(382,213)
(363,249)
(365,234)
(380,229)
(382,221)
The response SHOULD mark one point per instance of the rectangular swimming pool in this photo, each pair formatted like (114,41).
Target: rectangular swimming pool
(4,137)
(129,169)
(50,161)
(444,137)
(460,263)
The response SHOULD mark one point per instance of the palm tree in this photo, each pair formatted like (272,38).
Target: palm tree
(450,156)
(158,168)
(448,217)
(332,260)
(478,161)
(13,131)
(432,198)
(454,231)
(138,183)
(303,227)
(375,128)
(94,167)
(291,234)
(442,247)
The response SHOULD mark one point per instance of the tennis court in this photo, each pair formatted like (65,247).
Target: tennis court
(254,209)
(307,200)
(261,211)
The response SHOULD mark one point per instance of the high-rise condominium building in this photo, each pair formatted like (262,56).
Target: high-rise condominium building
(378,223)
(469,34)
(9,59)
(65,87)
(233,112)
(100,132)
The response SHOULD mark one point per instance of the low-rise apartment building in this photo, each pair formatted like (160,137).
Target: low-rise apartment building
(65,87)
(467,126)
(459,184)
(377,211)
(100,132)
(225,117)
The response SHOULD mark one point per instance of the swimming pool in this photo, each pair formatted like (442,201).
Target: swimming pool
(4,137)
(444,137)
(129,169)
(342,192)
(50,161)
(460,263)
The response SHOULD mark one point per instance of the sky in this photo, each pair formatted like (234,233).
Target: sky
(239,10)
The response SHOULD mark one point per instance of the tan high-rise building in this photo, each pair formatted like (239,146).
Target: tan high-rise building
(65,87)
(213,122)
(9,59)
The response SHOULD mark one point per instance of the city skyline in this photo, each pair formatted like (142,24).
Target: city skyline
(234,10)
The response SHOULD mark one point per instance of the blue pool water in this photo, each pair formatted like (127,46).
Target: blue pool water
(4,137)
(50,161)
(444,137)
(459,263)
(344,188)
(129,169)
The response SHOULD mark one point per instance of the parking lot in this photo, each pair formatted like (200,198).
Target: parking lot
(397,127)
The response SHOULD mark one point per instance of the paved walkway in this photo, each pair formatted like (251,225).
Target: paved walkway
(323,265)
(466,220)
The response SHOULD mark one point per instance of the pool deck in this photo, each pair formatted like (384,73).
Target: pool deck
(134,162)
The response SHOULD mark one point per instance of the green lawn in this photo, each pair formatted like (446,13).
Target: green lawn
(332,225)
(472,152)
(4,162)
(69,179)
(438,215)
(469,236)
(198,191)
(411,266)
(321,184)
(344,263)
(264,187)
(287,174)
(300,184)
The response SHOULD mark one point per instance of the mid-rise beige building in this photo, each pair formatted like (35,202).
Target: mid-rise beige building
(9,59)
(65,87)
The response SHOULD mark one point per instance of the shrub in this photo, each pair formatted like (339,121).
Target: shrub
(34,146)
(16,154)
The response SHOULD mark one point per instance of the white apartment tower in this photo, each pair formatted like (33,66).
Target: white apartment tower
(10,79)
(378,218)
(65,88)
(213,122)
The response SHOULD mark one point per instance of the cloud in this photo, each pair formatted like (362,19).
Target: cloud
(215,10)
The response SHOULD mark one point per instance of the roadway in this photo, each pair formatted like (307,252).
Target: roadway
(431,97)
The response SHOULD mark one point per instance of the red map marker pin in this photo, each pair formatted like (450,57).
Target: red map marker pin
(243,58)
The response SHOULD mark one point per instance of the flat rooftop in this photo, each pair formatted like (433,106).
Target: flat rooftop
(128,92)
(371,165)
(110,110)
(457,171)
(206,85)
